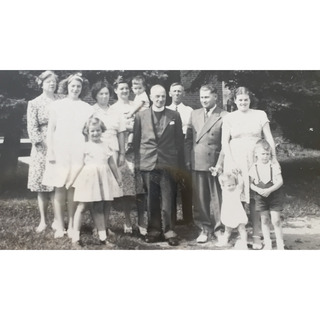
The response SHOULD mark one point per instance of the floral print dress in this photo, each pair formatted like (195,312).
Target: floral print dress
(38,117)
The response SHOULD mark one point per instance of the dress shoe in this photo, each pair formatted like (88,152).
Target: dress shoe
(203,237)
(127,229)
(222,242)
(59,234)
(152,238)
(70,233)
(173,241)
(184,222)
(143,231)
(112,237)
(54,225)
(256,245)
(41,228)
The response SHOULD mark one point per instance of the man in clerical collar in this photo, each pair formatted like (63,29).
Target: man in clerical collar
(158,147)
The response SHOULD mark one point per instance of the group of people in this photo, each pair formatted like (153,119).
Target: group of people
(83,157)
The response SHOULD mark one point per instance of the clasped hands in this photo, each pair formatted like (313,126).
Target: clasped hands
(263,192)
(215,171)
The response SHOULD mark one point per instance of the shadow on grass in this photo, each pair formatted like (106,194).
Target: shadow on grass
(301,186)
(16,187)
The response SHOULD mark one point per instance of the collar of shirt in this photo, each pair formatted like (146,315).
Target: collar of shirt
(210,111)
(175,107)
(157,109)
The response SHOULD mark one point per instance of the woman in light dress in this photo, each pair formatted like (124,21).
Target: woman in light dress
(240,131)
(37,124)
(65,147)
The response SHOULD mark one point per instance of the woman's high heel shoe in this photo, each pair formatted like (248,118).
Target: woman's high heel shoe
(127,229)
(142,230)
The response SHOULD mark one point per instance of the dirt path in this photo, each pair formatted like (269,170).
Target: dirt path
(302,233)
(299,234)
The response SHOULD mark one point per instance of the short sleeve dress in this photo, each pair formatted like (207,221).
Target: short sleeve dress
(232,212)
(115,124)
(68,118)
(132,184)
(37,124)
(245,130)
(95,181)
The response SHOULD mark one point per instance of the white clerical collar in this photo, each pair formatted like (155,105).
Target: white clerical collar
(157,109)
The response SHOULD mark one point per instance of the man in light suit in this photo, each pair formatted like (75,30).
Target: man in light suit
(203,146)
(158,146)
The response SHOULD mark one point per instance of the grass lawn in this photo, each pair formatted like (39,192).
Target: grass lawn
(301,216)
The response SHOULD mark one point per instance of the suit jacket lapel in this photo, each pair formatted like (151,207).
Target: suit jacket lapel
(215,116)
(153,125)
(165,121)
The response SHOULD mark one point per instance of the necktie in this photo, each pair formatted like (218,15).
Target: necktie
(206,111)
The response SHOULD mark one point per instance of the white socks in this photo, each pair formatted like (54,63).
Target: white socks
(75,236)
(102,235)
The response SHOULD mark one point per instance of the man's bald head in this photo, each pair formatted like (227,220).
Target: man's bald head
(158,95)
(156,88)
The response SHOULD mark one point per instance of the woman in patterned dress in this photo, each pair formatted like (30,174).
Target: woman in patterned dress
(65,146)
(240,131)
(131,180)
(37,123)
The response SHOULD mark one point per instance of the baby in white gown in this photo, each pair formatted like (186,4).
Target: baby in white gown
(233,214)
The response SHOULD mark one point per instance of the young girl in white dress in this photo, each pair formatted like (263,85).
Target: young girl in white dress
(233,214)
(96,181)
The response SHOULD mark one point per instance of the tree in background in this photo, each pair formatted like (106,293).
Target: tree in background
(290,98)
(163,77)
(18,87)
(15,88)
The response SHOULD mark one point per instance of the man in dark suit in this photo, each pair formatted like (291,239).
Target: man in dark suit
(203,146)
(158,146)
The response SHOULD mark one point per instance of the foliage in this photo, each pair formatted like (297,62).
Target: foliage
(291,99)
(21,85)
(152,76)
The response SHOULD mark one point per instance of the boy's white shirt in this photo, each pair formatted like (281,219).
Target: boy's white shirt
(264,171)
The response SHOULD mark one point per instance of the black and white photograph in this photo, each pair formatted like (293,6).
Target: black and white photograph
(159,159)
(149,159)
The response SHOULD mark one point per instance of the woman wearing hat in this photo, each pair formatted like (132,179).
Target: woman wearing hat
(65,146)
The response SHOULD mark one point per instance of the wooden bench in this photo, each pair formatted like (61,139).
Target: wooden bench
(24,148)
